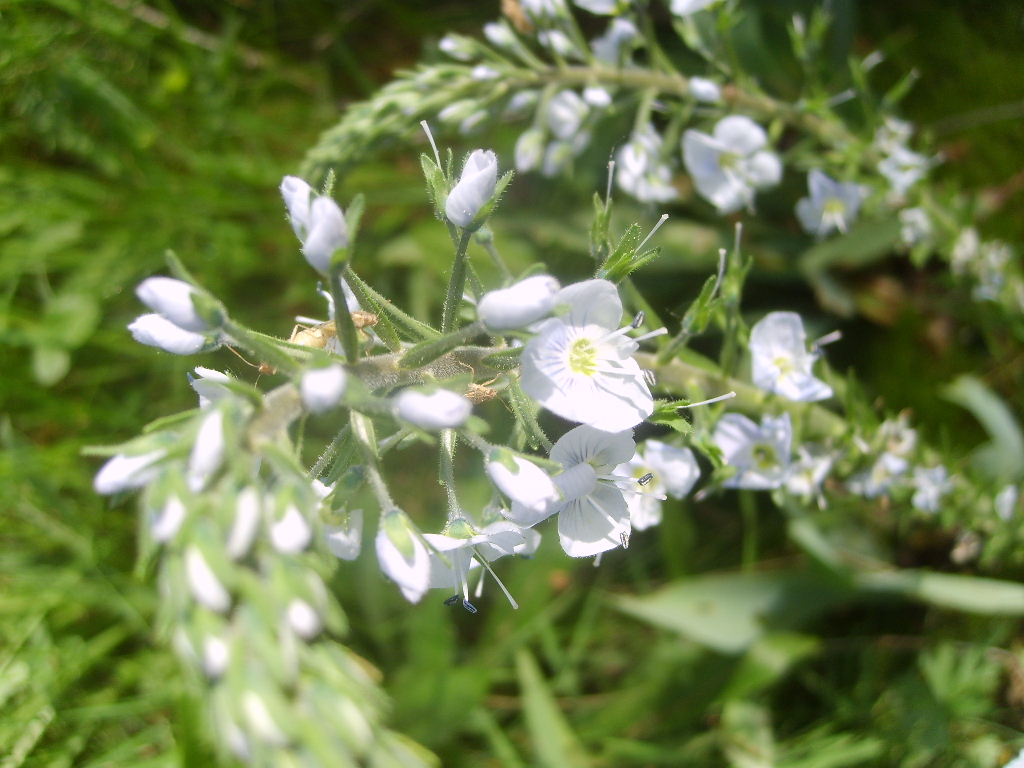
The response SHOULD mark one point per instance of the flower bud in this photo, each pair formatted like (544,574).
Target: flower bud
(705,90)
(207,452)
(296,194)
(167,524)
(475,188)
(206,587)
(499,35)
(246,523)
(402,555)
(291,534)
(123,473)
(345,541)
(158,331)
(529,150)
(216,656)
(322,388)
(303,619)
(209,385)
(529,486)
(597,97)
(516,307)
(566,113)
(328,233)
(172,299)
(441,409)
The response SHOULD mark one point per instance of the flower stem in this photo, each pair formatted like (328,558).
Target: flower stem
(457,284)
(346,329)
(748,507)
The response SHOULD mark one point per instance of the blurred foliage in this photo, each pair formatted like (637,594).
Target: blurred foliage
(129,129)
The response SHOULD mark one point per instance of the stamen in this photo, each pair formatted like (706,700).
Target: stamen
(490,570)
(656,228)
(646,478)
(624,538)
(841,98)
(638,320)
(452,600)
(614,523)
(308,320)
(828,338)
(597,560)
(726,396)
(469,606)
(430,138)
(651,334)
(650,377)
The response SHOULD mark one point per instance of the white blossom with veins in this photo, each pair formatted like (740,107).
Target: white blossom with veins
(464,547)
(730,164)
(672,470)
(580,365)
(832,205)
(780,359)
(808,472)
(402,555)
(640,169)
(761,454)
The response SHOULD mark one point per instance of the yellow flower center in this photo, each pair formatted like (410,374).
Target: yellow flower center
(764,456)
(583,357)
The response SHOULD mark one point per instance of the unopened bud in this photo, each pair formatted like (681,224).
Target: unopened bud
(475,188)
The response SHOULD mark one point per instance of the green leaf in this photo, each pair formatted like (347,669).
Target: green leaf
(970,594)
(1003,458)
(412,327)
(623,252)
(867,242)
(505,360)
(767,661)
(50,365)
(384,328)
(427,352)
(554,742)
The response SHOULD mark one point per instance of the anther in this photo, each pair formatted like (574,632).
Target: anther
(646,478)
(624,538)
(469,606)
(452,600)
(638,320)
(650,377)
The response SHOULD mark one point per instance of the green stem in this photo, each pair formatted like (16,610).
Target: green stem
(449,438)
(457,285)
(748,507)
(485,239)
(262,347)
(346,329)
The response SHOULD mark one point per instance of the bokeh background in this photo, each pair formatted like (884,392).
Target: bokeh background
(128,129)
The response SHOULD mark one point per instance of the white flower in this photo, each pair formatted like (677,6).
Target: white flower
(328,233)
(203,582)
(245,525)
(167,524)
(566,113)
(303,619)
(457,47)
(915,226)
(475,188)
(897,436)
(883,473)
(291,534)
(529,486)
(672,470)
(260,722)
(599,7)
(209,385)
(893,134)
(402,556)
(441,409)
(557,157)
(123,473)
(529,150)
(686,7)
(207,451)
(731,163)
(832,205)
(781,362)
(579,366)
(808,472)
(516,307)
(500,35)
(597,97)
(1006,502)
(903,168)
(322,388)
(1017,762)
(593,516)
(930,484)
(345,541)
(609,47)
(640,169)
(539,10)
(556,40)
(464,547)
(966,250)
(705,90)
(216,656)
(761,454)
(483,73)
(158,331)
(172,299)
(296,194)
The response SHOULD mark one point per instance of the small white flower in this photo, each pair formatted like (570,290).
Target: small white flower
(345,541)
(500,35)
(610,46)
(930,484)
(260,722)
(897,436)
(886,470)
(687,7)
(475,188)
(966,250)
(441,409)
(322,388)
(519,305)
(808,472)
(328,233)
(903,168)
(172,299)
(761,454)
(705,90)
(209,385)
(672,470)
(167,524)
(207,451)
(245,525)
(157,331)
(402,556)
(529,150)
(296,194)
(465,547)
(597,97)
(303,619)
(599,7)
(529,486)
(915,226)
(291,534)
(893,134)
(781,362)
(557,158)
(831,206)
(459,48)
(557,41)
(216,656)
(483,73)
(730,164)
(580,365)
(522,102)
(566,113)
(206,587)
(1006,502)
(123,473)
(640,169)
